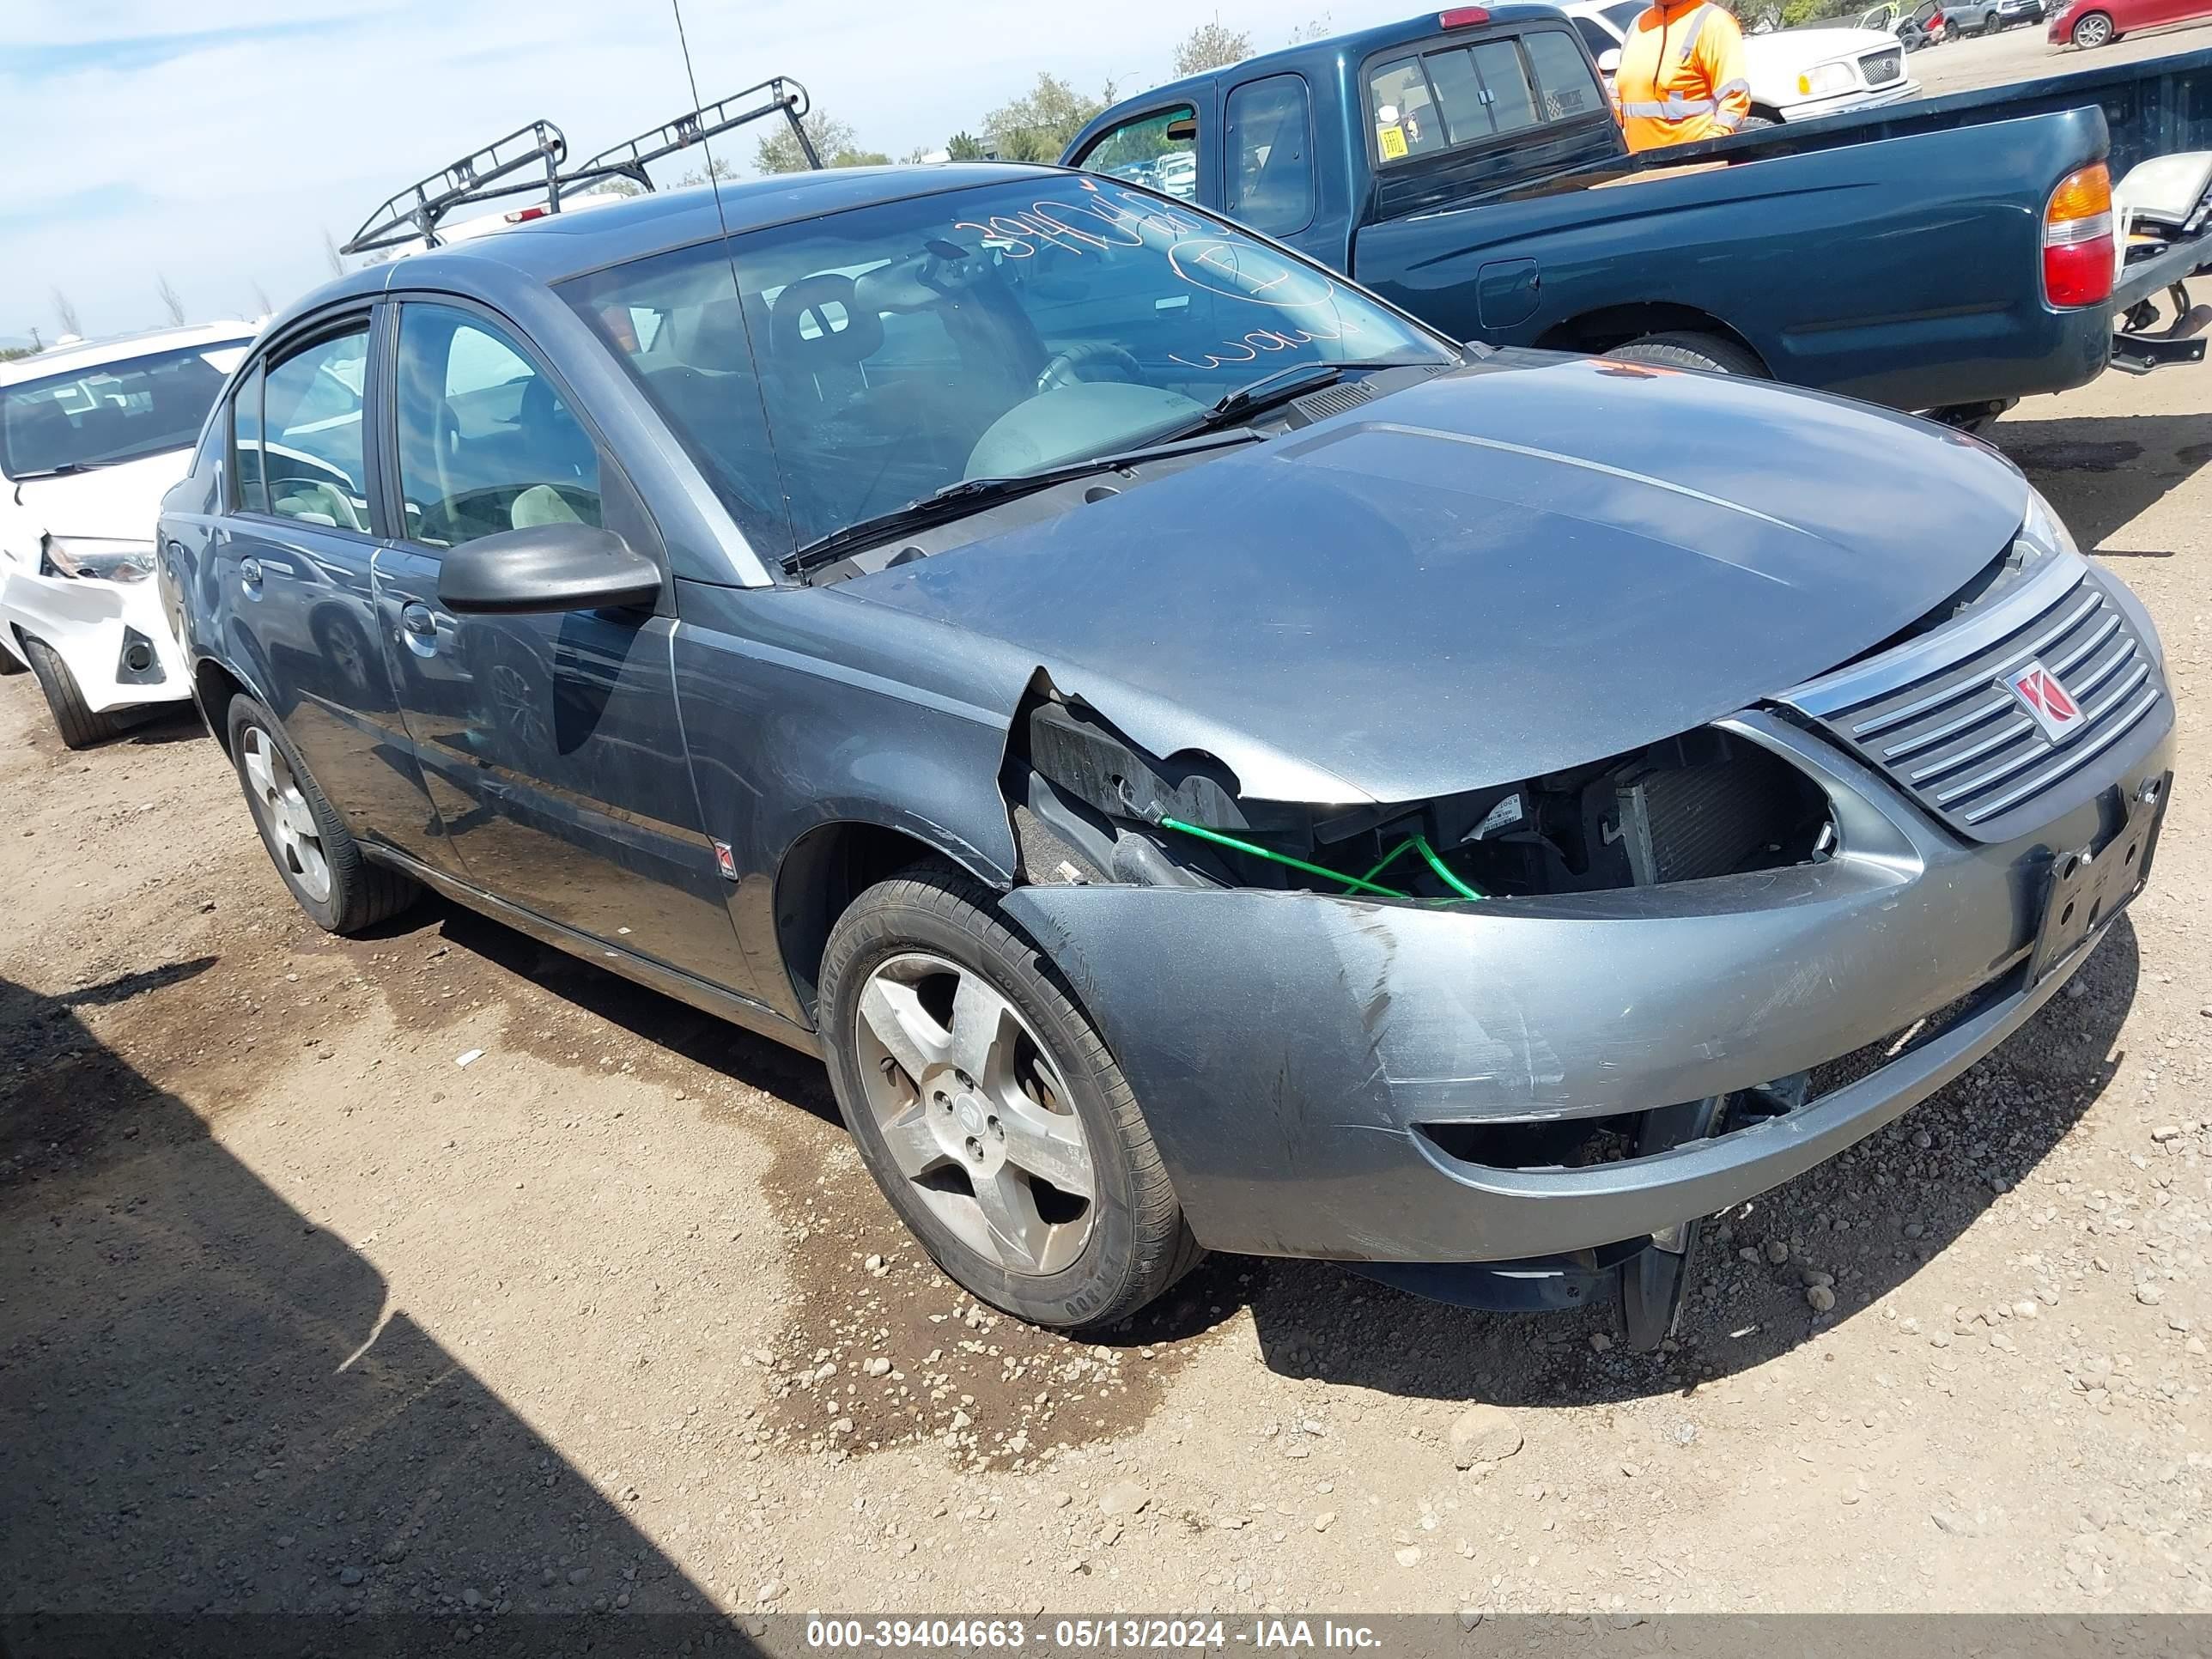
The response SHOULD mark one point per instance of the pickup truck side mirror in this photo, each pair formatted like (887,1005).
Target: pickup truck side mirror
(1608,61)
(544,569)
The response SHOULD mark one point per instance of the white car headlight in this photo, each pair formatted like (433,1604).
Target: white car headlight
(100,558)
(1823,79)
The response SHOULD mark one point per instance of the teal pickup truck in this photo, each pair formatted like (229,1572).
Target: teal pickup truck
(1950,255)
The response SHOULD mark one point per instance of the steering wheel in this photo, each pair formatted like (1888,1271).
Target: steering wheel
(1067,366)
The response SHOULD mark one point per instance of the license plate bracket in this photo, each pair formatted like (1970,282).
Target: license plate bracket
(2087,887)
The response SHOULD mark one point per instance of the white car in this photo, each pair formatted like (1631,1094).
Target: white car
(1795,75)
(92,436)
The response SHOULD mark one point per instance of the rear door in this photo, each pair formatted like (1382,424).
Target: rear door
(549,743)
(293,556)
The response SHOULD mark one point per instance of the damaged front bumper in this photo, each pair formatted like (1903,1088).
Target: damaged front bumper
(1348,1079)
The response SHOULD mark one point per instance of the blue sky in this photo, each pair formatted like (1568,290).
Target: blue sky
(218,154)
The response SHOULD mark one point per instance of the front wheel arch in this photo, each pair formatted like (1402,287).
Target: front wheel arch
(819,876)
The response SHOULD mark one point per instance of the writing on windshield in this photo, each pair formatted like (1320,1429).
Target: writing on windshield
(1197,253)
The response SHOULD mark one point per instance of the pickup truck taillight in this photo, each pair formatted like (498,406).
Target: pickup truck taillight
(2077,239)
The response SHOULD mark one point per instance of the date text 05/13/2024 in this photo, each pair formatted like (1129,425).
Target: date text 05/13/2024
(1085,1635)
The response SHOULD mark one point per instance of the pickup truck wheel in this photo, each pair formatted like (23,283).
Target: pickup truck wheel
(316,854)
(989,1111)
(2093,31)
(1691,351)
(73,719)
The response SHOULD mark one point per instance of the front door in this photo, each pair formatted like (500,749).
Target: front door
(293,552)
(549,743)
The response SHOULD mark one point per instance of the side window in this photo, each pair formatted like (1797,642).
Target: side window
(1159,151)
(1269,131)
(312,466)
(1564,87)
(486,443)
(246,492)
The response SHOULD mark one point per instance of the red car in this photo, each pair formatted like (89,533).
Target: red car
(2099,23)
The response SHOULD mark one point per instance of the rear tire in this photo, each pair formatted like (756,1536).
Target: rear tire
(2092,31)
(957,1121)
(73,719)
(1686,350)
(316,854)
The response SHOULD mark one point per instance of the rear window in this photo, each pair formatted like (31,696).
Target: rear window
(1425,103)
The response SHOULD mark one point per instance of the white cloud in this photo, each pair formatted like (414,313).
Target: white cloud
(222,162)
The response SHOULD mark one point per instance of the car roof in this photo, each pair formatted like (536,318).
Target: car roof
(118,348)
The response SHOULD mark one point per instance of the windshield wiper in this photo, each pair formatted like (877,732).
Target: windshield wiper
(957,500)
(67,469)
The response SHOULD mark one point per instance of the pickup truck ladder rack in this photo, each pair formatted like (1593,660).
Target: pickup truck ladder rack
(488,174)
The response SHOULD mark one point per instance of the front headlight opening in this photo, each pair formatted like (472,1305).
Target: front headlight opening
(2042,534)
(103,561)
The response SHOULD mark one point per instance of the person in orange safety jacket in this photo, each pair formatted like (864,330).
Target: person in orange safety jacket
(1681,76)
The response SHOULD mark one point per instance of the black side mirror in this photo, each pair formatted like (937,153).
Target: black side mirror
(548,568)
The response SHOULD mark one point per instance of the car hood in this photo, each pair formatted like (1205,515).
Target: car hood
(1791,50)
(113,503)
(1533,563)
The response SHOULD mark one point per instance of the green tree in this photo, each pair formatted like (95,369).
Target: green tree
(965,146)
(833,141)
(1036,127)
(1211,46)
(1319,28)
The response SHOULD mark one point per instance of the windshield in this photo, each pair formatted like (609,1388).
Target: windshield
(974,333)
(113,411)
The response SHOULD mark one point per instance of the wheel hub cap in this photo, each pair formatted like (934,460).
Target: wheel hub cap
(975,1112)
(284,812)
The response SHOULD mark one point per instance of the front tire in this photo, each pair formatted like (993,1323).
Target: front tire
(989,1111)
(1686,350)
(2092,31)
(316,854)
(74,718)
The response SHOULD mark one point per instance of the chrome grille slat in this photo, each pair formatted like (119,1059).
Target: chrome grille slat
(1938,714)
(1981,711)
(2019,656)
(2071,758)
(2018,729)
(2088,647)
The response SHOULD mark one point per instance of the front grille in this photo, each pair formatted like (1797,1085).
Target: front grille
(1882,66)
(1945,726)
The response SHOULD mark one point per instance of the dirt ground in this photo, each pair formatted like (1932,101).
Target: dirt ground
(300,1314)
(2023,54)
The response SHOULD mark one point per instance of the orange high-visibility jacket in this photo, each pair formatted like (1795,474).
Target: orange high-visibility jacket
(1681,75)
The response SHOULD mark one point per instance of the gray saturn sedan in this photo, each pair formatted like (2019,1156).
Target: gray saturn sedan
(1208,763)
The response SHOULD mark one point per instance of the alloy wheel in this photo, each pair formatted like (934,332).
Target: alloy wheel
(284,812)
(975,1112)
(2092,31)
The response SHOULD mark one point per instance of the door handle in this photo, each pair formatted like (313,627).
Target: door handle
(249,572)
(419,627)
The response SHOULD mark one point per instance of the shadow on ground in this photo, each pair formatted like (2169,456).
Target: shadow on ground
(220,1435)
(1848,1218)
(2103,472)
